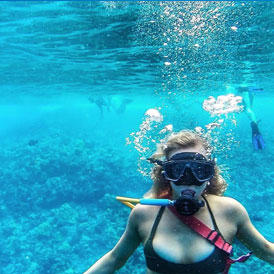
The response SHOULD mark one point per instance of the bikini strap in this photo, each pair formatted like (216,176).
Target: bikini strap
(156,222)
(212,216)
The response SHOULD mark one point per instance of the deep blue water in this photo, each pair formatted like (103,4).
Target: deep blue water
(76,81)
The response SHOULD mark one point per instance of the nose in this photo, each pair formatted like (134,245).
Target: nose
(188,177)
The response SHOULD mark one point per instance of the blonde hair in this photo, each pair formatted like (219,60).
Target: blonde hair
(184,139)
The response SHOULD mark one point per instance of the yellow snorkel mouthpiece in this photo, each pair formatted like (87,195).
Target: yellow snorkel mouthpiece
(128,201)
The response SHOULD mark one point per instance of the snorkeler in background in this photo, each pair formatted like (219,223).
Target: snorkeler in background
(101,103)
(118,105)
(247,93)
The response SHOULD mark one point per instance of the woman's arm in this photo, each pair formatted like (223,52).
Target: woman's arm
(118,256)
(252,238)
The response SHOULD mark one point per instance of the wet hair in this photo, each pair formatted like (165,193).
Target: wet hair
(184,139)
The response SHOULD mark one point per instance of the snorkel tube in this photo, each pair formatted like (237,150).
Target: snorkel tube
(144,201)
(186,204)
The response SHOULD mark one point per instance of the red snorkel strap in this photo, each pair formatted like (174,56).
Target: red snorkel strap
(211,235)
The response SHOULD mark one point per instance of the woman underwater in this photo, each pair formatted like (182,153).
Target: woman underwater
(195,234)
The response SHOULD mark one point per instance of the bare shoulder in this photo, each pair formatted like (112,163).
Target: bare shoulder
(223,201)
(143,213)
(227,206)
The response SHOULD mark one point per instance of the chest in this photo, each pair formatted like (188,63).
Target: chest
(176,242)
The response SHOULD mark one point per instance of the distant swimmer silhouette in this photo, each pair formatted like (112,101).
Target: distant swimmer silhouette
(101,103)
(118,105)
(247,93)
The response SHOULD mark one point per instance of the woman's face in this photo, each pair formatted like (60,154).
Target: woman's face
(177,189)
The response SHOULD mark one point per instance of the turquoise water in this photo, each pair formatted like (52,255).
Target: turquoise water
(76,81)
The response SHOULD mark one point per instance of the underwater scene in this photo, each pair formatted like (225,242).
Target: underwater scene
(88,90)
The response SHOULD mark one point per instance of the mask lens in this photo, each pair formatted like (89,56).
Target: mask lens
(174,170)
(202,171)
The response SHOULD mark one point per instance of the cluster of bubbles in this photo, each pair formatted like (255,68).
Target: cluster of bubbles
(221,109)
(188,34)
(150,132)
(193,43)
(222,105)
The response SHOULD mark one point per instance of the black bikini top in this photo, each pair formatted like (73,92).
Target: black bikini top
(214,263)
